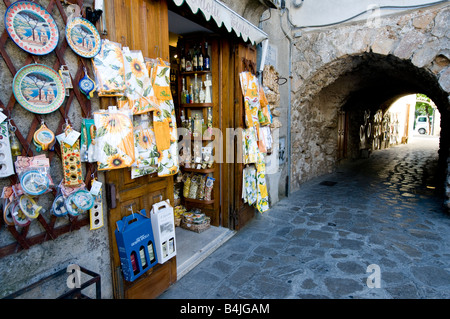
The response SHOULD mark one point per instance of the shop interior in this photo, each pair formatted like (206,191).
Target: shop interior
(192,245)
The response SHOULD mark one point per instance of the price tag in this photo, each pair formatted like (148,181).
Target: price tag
(72,137)
(2,117)
(95,188)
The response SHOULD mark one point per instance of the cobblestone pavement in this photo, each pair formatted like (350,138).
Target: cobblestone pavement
(319,242)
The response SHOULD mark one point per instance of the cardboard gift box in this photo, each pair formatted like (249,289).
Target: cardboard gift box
(163,225)
(136,245)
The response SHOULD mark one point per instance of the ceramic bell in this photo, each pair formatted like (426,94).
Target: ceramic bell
(87,85)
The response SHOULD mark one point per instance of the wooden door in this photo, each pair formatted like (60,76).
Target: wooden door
(241,58)
(140,25)
(342,131)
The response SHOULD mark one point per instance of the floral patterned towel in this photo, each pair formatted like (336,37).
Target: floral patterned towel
(114,139)
(109,70)
(250,90)
(145,149)
(250,145)
(262,200)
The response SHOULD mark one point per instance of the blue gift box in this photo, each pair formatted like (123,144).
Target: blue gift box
(136,245)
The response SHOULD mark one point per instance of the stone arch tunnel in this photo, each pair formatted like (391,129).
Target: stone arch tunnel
(354,68)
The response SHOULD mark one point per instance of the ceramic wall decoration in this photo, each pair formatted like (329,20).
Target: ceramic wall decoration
(34,182)
(83,199)
(6,162)
(58,209)
(29,207)
(31,27)
(71,160)
(20,219)
(86,85)
(38,88)
(8,213)
(71,207)
(83,37)
(43,138)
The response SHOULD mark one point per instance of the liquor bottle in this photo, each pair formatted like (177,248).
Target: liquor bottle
(183,61)
(143,259)
(200,59)
(196,90)
(195,59)
(206,59)
(188,61)
(202,95)
(171,245)
(191,94)
(151,252)
(183,92)
(134,263)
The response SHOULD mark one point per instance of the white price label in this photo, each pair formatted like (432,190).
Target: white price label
(95,189)
(72,137)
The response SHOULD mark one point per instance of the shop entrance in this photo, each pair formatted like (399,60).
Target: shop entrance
(160,30)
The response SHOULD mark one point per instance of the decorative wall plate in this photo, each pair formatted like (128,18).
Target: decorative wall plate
(72,209)
(31,27)
(39,88)
(58,207)
(20,219)
(7,214)
(29,207)
(34,182)
(83,199)
(83,37)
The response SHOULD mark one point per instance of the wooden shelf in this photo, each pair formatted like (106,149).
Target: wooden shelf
(199,201)
(201,170)
(188,73)
(196,104)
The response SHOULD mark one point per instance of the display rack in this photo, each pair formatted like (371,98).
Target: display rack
(208,81)
(51,231)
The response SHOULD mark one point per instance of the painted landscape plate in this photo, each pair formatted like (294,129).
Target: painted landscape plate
(39,88)
(31,27)
(83,37)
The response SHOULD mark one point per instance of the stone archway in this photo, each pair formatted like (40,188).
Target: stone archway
(356,65)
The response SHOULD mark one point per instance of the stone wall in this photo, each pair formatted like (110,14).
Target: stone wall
(357,65)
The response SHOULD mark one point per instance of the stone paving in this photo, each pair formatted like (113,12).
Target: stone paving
(319,242)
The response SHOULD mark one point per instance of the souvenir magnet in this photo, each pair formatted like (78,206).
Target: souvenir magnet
(29,207)
(34,182)
(71,161)
(43,138)
(20,219)
(58,207)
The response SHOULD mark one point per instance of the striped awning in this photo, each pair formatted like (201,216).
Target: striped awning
(224,16)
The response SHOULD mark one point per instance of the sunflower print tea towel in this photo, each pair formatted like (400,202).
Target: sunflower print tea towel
(145,148)
(139,91)
(114,139)
(109,69)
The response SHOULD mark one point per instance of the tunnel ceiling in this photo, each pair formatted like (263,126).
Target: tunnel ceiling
(379,80)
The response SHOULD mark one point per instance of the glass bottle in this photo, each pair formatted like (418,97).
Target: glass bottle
(134,263)
(188,61)
(202,93)
(200,59)
(191,94)
(151,252)
(143,259)
(183,61)
(195,59)
(196,90)
(206,59)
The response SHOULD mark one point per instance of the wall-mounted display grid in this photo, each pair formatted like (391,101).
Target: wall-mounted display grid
(76,106)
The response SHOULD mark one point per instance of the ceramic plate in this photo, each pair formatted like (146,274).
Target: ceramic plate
(58,208)
(20,219)
(83,37)
(39,88)
(31,27)
(34,183)
(72,209)
(83,199)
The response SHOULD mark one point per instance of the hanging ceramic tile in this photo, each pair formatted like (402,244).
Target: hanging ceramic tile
(71,160)
(6,162)
(96,212)
(43,138)
(114,141)
(109,70)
